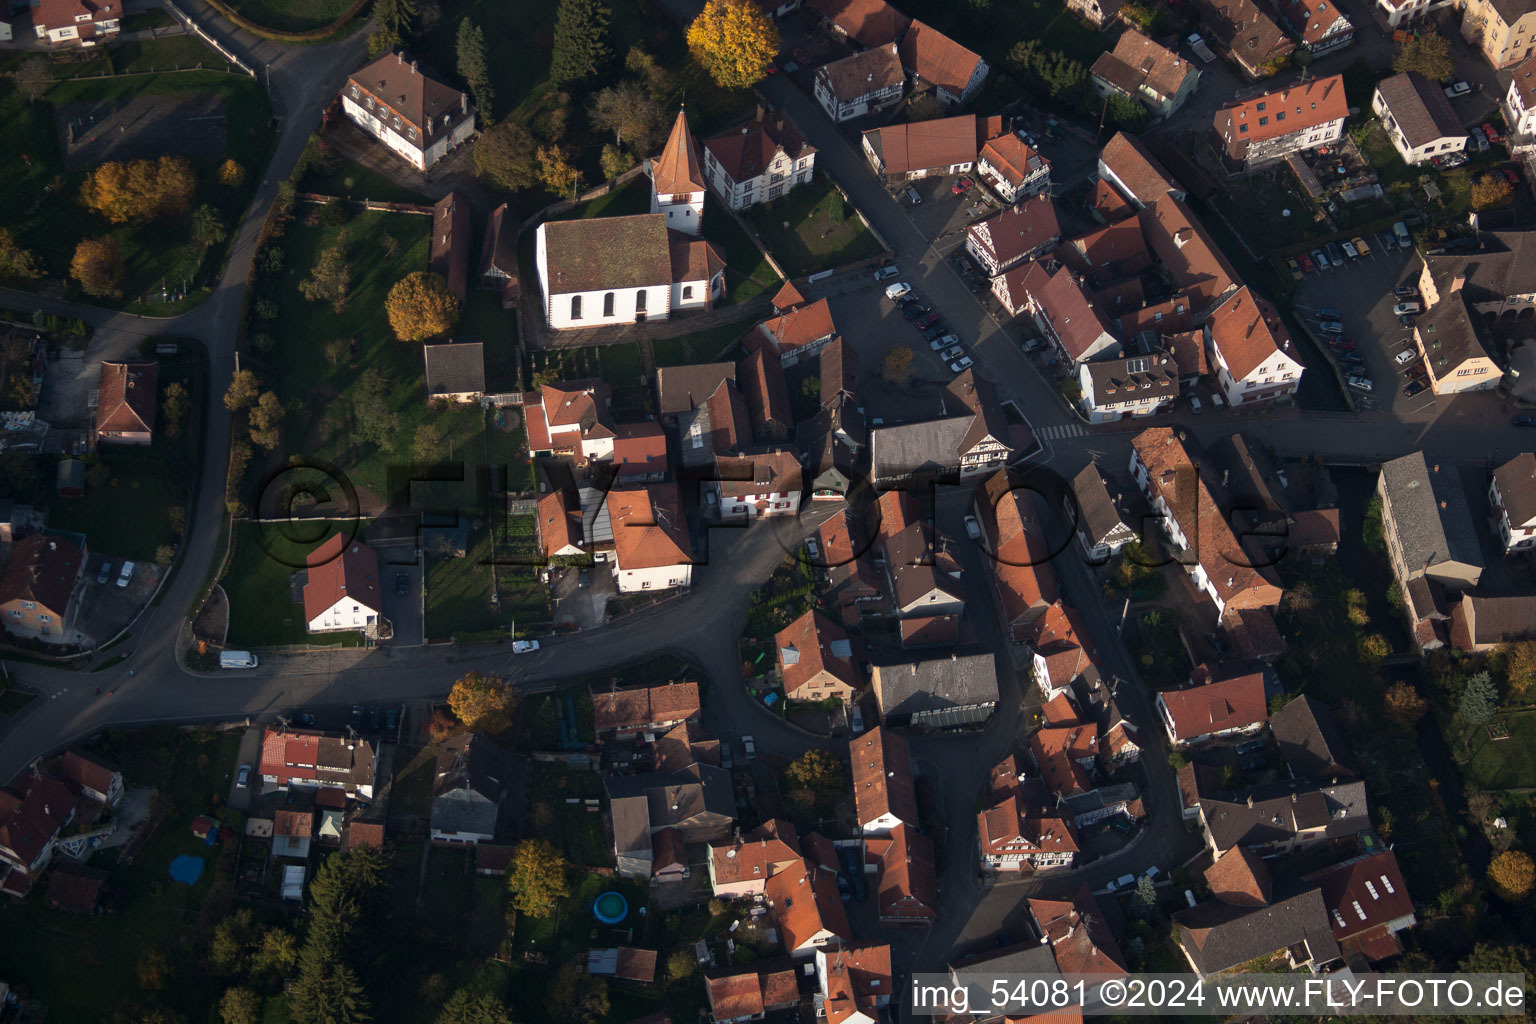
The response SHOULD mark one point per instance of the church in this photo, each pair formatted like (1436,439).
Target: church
(627,270)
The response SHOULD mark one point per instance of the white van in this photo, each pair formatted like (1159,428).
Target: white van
(237,659)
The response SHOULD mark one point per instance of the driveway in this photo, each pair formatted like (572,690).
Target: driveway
(250,753)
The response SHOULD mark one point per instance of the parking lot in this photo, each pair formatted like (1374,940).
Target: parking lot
(1361,289)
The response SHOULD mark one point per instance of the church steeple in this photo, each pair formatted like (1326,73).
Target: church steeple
(677,180)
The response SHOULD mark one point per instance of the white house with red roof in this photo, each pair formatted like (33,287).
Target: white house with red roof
(1251,350)
(86,22)
(650,539)
(758,162)
(1201,714)
(796,333)
(1013,169)
(930,56)
(758,484)
(316,760)
(855,983)
(342,592)
(1013,836)
(1368,905)
(572,417)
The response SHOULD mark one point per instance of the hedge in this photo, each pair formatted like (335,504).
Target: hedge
(276,35)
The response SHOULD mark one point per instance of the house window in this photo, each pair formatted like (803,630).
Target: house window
(608,304)
(1242,129)
(354,90)
(687,291)
(1263,121)
(575,307)
(396,122)
(645,584)
(29,604)
(640,297)
(774,191)
(1279,115)
(44,618)
(1260,108)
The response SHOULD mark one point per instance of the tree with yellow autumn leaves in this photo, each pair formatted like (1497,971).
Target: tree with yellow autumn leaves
(140,189)
(98,266)
(735,41)
(420,306)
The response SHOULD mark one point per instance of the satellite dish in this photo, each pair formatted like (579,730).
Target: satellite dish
(1285,213)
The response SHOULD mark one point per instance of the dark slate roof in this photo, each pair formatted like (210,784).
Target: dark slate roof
(1310,739)
(672,797)
(607,253)
(1098,515)
(1277,811)
(1428,533)
(455,368)
(1023,958)
(952,680)
(1420,108)
(1218,936)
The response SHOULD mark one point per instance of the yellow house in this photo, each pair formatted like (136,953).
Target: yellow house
(1505,30)
(1451,341)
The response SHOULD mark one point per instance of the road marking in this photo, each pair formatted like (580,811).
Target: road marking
(1061,430)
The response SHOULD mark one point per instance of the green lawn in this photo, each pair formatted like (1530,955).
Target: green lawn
(458,592)
(155,17)
(1253,205)
(43,949)
(484,320)
(713,345)
(811,228)
(352,180)
(633,197)
(257,584)
(38,202)
(291,15)
(1506,763)
(747,273)
(184,51)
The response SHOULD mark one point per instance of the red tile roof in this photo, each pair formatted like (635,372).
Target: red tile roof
(770,847)
(869,23)
(1020,562)
(1239,877)
(452,230)
(1217,707)
(934,57)
(1066,304)
(1270,115)
(762,384)
(1363,894)
(559,522)
(787,297)
(43,569)
(1138,170)
(810,646)
(1063,645)
(1010,826)
(1248,333)
(805,902)
(363,833)
(639,449)
(614,710)
(87,771)
(648,527)
(923,145)
(342,567)
(126,398)
(1058,752)
(1018,230)
(677,170)
(53,14)
(745,152)
(882,777)
(1078,934)
(800,326)
(1192,260)
(1014,159)
(857,978)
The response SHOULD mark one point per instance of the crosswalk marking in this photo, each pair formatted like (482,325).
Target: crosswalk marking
(1061,430)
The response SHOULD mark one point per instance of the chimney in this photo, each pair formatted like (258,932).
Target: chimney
(399,57)
(413,67)
(1457,282)
(463,103)
(762,113)
(1250,799)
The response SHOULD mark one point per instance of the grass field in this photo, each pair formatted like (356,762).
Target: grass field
(823,231)
(747,273)
(291,15)
(39,205)
(699,347)
(43,949)
(1506,763)
(260,612)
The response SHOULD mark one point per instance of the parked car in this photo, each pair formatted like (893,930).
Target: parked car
(962,364)
(1322,260)
(1293,267)
(885,274)
(749,746)
(105,574)
(913,310)
(1334,252)
(1479,140)
(524,646)
(928,320)
(1456,89)
(972,528)
(125,574)
(1447,161)
(1511,175)
(899,290)
(962,186)
(1121,823)
(1405,357)
(1327,314)
(1249,746)
(1361,247)
(934,331)
(1406,306)
(402,583)
(1153,872)
(1406,320)
(1330,327)
(1123,882)
(1406,291)
(1351,358)
(725,756)
(391,718)
(1363,383)
(1194,404)
(1350,250)
(584,579)
(1414,387)
(1307,266)
(952,352)
(1491,132)
(1524,421)
(912,196)
(243,778)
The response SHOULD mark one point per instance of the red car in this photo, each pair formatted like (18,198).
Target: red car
(1307,265)
(962,186)
(1511,175)
(1491,132)
(1342,344)
(925,322)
